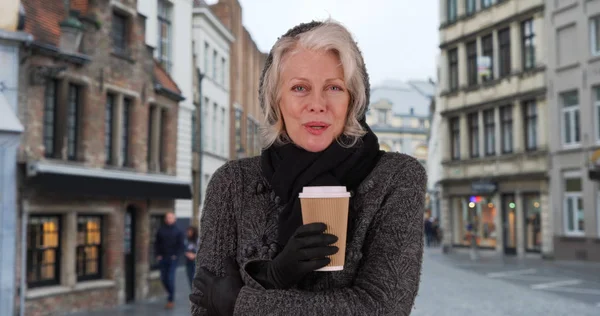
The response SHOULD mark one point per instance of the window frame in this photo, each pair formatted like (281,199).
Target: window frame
(73,133)
(472,63)
(569,196)
(453,76)
(109,124)
(489,127)
(487,49)
(528,40)
(122,35)
(238,129)
(507,126)
(470,7)
(164,16)
(98,246)
(596,102)
(594,30)
(486,4)
(57,252)
(455,138)
(474,149)
(504,53)
(574,111)
(529,117)
(125,148)
(451,14)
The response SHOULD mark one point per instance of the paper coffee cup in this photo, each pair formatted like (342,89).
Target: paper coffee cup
(329,205)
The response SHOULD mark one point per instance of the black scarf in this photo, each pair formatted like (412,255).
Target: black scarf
(289,168)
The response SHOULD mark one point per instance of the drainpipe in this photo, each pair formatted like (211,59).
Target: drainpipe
(199,149)
(24,219)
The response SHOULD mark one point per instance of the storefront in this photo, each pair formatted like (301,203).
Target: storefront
(504,215)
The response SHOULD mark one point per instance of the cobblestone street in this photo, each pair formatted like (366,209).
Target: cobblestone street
(453,285)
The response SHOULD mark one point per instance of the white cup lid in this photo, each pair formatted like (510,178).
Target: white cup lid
(324,192)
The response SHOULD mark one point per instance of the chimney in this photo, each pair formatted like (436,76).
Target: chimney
(71,30)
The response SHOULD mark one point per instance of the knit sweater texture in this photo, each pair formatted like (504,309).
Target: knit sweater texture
(384,248)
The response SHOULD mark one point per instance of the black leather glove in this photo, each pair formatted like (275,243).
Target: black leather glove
(306,251)
(219,294)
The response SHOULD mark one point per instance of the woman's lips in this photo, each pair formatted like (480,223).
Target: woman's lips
(316,128)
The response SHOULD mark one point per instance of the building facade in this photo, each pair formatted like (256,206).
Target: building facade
(97,161)
(12,42)
(492,100)
(434,157)
(399,116)
(246,62)
(168,31)
(574,109)
(212,48)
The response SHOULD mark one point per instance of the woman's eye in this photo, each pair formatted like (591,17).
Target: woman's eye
(298,88)
(336,88)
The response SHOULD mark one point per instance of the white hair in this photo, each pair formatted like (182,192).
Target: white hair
(328,36)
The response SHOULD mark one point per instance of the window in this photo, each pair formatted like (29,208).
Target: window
(223,132)
(150,142)
(194,131)
(486,3)
(452,11)
(125,120)
(238,130)
(89,247)
(156,222)
(455,138)
(223,72)
(595,35)
(215,120)
(597,107)
(504,48)
(50,110)
(453,69)
(470,5)
(528,36)
(570,119)
(73,121)
(487,49)
(119,33)
(108,127)
(490,130)
(43,251)
(206,58)
(214,70)
(474,134)
(164,34)
(533,222)
(573,204)
(566,40)
(530,114)
(249,135)
(506,128)
(472,63)
(381,116)
(160,135)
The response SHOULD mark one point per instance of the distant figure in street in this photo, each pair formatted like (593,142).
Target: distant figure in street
(428,232)
(168,246)
(190,252)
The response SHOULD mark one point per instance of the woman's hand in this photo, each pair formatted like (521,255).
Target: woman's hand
(190,255)
(218,294)
(306,251)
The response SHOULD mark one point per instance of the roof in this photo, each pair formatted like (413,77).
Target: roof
(42,18)
(404,96)
(163,78)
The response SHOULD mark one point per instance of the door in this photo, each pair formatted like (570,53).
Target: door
(509,223)
(129,252)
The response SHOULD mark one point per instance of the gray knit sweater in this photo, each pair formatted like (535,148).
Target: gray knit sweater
(384,246)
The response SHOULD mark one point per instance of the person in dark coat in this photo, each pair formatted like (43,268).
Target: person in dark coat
(255,256)
(168,247)
(190,252)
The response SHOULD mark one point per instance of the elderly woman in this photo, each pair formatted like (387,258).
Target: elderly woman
(314,91)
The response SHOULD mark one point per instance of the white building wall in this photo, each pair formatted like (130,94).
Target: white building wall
(208,30)
(182,73)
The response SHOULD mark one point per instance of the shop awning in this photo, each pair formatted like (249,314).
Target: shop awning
(72,179)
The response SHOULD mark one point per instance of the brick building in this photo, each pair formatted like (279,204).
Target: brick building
(97,160)
(246,63)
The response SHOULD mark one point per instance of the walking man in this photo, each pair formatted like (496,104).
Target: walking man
(168,246)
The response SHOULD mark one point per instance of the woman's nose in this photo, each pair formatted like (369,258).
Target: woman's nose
(317,103)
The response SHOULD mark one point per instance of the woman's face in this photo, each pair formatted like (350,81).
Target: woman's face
(313,98)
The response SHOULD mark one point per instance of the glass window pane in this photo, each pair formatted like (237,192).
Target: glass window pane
(576,125)
(567,128)
(570,99)
(573,185)
(570,214)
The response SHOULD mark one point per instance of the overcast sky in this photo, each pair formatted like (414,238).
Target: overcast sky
(398,38)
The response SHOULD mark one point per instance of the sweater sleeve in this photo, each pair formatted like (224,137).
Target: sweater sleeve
(218,237)
(387,281)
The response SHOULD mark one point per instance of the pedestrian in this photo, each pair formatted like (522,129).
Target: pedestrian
(428,232)
(190,252)
(314,92)
(168,247)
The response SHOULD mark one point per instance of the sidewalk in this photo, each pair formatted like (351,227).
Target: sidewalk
(155,306)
